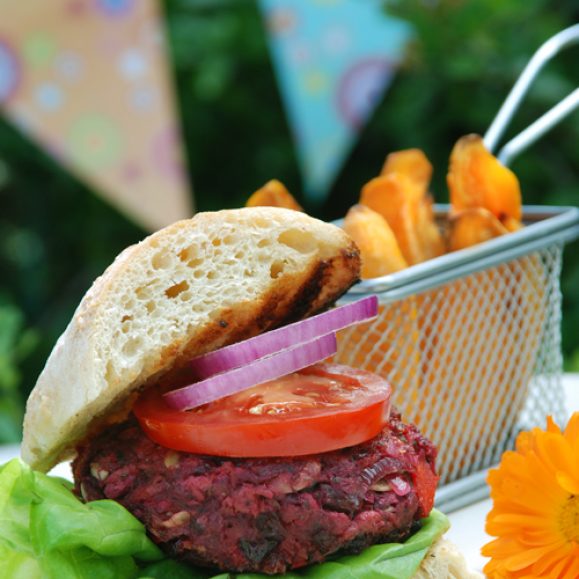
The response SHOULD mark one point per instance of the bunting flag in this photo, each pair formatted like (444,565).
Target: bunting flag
(89,80)
(334,59)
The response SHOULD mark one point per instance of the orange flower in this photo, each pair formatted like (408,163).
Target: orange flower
(535,514)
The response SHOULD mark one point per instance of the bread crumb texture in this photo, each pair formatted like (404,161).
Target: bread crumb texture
(444,561)
(185,280)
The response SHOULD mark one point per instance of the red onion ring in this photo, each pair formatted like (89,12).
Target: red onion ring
(257,372)
(263,345)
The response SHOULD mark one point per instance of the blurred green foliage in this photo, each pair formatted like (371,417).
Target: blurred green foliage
(16,343)
(56,236)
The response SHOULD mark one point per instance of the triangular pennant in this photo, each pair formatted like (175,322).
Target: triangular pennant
(89,80)
(333,60)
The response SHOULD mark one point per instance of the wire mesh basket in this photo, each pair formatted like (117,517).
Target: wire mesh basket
(471,340)
(472,343)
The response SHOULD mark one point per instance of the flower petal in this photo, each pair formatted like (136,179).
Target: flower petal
(557,453)
(520,521)
(552,426)
(525,558)
(559,570)
(543,567)
(569,484)
(573,570)
(502,547)
(547,536)
(572,429)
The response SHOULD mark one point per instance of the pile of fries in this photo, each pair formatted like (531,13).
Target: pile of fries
(393,222)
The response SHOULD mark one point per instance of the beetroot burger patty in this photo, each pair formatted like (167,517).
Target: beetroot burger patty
(261,515)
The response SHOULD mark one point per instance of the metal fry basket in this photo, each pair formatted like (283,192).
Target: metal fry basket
(471,340)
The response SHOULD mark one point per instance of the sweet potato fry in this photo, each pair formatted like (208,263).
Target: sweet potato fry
(273,194)
(512,224)
(408,211)
(477,179)
(472,226)
(410,162)
(431,240)
(379,249)
(397,200)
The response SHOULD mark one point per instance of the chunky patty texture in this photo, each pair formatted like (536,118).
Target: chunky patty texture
(261,515)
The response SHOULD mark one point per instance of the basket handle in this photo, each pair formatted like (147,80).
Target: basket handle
(552,47)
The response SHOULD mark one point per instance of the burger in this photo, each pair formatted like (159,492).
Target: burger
(209,436)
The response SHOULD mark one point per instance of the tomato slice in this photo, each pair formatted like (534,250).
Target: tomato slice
(321,408)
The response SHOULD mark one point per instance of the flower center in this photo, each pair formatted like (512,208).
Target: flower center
(569,518)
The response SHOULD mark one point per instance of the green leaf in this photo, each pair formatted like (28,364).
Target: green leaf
(174,570)
(46,532)
(16,344)
(10,325)
(18,565)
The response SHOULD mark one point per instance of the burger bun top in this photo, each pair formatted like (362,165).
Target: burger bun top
(188,289)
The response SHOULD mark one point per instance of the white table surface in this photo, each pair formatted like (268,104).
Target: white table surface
(467,530)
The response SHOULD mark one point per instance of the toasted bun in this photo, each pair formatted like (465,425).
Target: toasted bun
(188,289)
(444,561)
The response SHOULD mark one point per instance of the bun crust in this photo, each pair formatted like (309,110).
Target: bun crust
(188,289)
(444,561)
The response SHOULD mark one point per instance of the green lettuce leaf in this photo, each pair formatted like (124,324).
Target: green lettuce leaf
(47,533)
